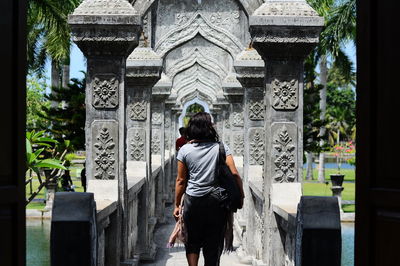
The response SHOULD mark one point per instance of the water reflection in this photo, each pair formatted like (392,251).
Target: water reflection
(37,242)
(347,244)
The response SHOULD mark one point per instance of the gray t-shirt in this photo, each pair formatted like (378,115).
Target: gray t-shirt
(200,160)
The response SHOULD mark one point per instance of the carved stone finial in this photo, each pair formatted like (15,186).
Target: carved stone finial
(249,67)
(282,28)
(105,27)
(143,67)
(286,8)
(105,7)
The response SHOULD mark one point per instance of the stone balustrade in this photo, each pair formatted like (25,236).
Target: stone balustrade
(107,223)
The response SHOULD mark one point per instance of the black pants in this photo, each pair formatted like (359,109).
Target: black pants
(205,223)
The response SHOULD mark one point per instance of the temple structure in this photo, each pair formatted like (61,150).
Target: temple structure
(146,61)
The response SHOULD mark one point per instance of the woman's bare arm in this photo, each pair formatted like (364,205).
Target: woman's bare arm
(231,164)
(180,186)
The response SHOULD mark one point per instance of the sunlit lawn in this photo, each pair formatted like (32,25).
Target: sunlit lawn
(318,189)
(321,189)
(42,194)
(349,174)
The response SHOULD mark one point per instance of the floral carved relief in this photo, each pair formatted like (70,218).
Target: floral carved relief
(256,110)
(257,148)
(237,119)
(284,156)
(227,123)
(238,144)
(105,92)
(167,122)
(139,111)
(137,146)
(155,143)
(156,118)
(284,94)
(104,155)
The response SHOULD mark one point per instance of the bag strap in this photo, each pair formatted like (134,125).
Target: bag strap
(220,161)
(222,154)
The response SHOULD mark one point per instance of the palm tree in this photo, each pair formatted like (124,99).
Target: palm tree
(339,28)
(49,37)
(337,126)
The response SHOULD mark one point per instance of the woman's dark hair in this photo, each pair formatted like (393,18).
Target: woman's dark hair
(201,128)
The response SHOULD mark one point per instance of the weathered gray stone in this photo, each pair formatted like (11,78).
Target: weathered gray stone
(283,33)
(193,50)
(73,229)
(318,234)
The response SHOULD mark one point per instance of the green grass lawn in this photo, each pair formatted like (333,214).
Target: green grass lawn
(349,174)
(42,193)
(318,189)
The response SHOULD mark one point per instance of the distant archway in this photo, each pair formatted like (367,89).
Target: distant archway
(189,103)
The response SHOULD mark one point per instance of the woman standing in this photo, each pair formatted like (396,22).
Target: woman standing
(205,220)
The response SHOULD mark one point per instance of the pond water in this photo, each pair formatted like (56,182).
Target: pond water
(332,165)
(38,243)
(347,244)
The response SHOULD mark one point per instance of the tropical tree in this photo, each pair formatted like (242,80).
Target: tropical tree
(190,111)
(49,37)
(68,117)
(339,28)
(42,153)
(336,126)
(36,100)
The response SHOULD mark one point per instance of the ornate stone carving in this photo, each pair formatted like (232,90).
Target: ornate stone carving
(105,92)
(105,149)
(284,94)
(227,138)
(238,144)
(201,58)
(227,123)
(284,153)
(198,24)
(105,7)
(155,143)
(138,111)
(167,121)
(283,8)
(237,119)
(156,118)
(229,18)
(137,145)
(218,18)
(166,141)
(257,147)
(197,73)
(256,110)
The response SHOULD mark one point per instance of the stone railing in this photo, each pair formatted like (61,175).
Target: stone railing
(101,237)
(309,227)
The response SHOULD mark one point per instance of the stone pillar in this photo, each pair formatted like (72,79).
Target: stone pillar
(106,32)
(283,33)
(160,92)
(250,72)
(169,152)
(226,132)
(218,119)
(174,135)
(233,91)
(143,71)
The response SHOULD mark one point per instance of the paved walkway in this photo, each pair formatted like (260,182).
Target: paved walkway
(176,256)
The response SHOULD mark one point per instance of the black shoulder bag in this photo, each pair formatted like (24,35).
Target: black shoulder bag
(228,182)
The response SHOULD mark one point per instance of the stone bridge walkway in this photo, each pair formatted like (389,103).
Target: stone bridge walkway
(176,256)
